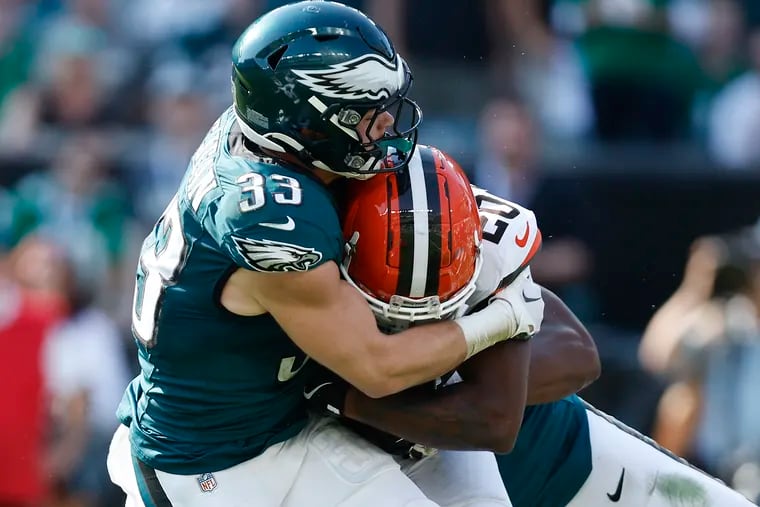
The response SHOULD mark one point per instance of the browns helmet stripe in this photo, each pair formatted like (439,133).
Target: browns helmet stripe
(430,170)
(406,227)
(420,221)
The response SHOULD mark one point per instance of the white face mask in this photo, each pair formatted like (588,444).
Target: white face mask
(390,325)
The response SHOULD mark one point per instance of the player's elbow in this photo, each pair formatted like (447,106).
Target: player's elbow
(500,419)
(376,388)
(580,356)
(589,364)
(376,381)
(501,429)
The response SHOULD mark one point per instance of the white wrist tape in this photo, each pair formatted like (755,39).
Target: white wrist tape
(494,323)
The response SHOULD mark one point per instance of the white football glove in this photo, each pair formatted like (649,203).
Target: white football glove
(524,296)
(515,312)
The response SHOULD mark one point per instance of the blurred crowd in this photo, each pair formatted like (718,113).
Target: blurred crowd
(102,103)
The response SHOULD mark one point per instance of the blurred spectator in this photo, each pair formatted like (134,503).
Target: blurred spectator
(77,204)
(86,371)
(508,166)
(7,204)
(544,66)
(178,117)
(734,121)
(721,49)
(150,24)
(453,48)
(16,47)
(706,340)
(643,80)
(73,98)
(716,29)
(31,283)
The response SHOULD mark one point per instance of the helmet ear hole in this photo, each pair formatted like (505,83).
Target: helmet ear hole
(325,37)
(274,59)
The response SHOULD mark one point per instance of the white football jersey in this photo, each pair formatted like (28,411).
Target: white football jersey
(510,240)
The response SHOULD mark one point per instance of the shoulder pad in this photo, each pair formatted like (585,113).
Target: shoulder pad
(511,238)
(273,218)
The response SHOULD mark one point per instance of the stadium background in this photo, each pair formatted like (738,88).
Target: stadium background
(630,126)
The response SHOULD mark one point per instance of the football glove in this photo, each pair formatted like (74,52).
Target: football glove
(524,296)
(325,394)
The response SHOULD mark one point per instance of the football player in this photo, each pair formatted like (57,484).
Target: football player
(238,291)
(567,452)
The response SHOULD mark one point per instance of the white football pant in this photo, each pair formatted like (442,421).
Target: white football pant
(459,479)
(631,470)
(324,465)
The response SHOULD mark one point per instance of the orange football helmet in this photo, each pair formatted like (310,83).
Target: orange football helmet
(413,240)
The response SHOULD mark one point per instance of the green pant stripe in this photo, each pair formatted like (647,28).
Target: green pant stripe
(153,495)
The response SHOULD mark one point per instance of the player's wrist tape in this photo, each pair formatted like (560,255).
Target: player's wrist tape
(494,323)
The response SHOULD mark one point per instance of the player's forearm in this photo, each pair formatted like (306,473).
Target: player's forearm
(450,343)
(446,419)
(418,355)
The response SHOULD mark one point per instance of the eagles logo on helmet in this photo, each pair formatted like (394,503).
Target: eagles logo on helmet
(419,257)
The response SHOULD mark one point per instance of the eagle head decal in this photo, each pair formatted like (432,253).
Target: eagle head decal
(268,255)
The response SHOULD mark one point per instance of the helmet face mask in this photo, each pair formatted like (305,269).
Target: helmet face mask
(306,74)
(413,242)
(401,312)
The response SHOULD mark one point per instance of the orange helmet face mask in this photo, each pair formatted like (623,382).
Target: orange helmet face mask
(413,240)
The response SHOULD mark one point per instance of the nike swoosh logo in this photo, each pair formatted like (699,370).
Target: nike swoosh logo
(522,241)
(615,497)
(309,394)
(530,299)
(287,226)
(286,371)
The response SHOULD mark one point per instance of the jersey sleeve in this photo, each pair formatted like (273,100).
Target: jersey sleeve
(511,238)
(285,237)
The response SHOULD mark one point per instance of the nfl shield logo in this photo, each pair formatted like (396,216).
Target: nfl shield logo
(207,482)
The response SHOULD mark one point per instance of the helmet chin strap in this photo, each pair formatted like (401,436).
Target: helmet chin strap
(256,137)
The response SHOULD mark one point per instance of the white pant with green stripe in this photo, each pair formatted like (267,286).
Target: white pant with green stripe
(324,465)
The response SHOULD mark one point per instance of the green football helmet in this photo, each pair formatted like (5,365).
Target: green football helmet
(305,74)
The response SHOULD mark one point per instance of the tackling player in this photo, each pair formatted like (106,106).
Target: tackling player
(238,291)
(566,452)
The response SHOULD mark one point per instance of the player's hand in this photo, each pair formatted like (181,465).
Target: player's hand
(325,394)
(515,312)
(523,295)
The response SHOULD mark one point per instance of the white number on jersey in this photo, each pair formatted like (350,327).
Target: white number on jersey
(511,238)
(496,214)
(253,184)
(160,262)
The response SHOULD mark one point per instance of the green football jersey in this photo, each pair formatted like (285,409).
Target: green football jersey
(552,456)
(216,388)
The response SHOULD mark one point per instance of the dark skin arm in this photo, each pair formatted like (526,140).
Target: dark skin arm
(461,416)
(564,358)
(484,412)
